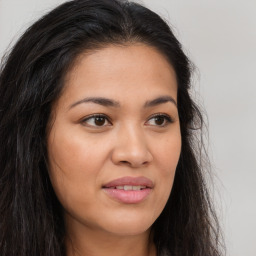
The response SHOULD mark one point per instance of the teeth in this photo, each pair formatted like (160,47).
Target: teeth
(136,187)
(128,187)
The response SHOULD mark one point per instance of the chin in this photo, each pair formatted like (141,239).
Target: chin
(128,225)
(129,230)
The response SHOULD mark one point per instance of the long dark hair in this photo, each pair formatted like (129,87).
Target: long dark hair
(31,80)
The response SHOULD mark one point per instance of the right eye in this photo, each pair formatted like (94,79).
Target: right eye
(96,120)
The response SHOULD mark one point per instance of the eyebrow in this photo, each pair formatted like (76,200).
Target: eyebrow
(112,103)
(97,100)
(160,100)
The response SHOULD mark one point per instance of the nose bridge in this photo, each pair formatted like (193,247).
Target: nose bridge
(131,146)
(133,136)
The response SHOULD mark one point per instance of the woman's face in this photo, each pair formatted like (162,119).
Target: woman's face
(115,141)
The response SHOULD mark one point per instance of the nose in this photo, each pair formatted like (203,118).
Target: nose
(131,148)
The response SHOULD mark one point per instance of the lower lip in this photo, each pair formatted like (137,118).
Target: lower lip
(128,196)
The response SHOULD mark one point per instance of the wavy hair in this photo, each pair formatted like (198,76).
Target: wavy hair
(31,80)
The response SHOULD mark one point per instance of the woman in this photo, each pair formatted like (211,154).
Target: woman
(97,131)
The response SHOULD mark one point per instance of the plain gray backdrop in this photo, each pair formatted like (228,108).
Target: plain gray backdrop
(220,38)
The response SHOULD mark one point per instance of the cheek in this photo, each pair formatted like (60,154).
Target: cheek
(167,153)
(167,156)
(71,166)
(74,152)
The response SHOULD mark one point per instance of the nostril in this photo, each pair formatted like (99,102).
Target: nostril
(133,164)
(132,157)
(124,162)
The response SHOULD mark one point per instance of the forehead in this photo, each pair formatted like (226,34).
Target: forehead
(124,69)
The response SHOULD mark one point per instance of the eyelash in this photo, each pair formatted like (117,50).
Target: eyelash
(94,116)
(167,119)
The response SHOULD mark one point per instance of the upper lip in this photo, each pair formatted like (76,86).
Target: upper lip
(132,181)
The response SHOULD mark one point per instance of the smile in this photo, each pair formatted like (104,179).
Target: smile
(129,190)
(128,187)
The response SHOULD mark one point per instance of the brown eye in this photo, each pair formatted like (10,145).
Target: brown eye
(96,121)
(159,120)
(99,121)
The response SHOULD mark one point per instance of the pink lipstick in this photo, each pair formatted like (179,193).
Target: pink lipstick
(129,190)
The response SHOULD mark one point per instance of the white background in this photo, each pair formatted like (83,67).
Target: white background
(220,38)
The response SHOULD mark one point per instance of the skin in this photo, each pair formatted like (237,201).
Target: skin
(85,154)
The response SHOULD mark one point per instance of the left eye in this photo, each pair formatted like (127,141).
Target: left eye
(160,120)
(96,120)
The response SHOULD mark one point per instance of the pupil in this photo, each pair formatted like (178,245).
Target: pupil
(99,120)
(159,120)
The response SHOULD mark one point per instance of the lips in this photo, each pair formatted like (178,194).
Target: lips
(129,190)
(132,181)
